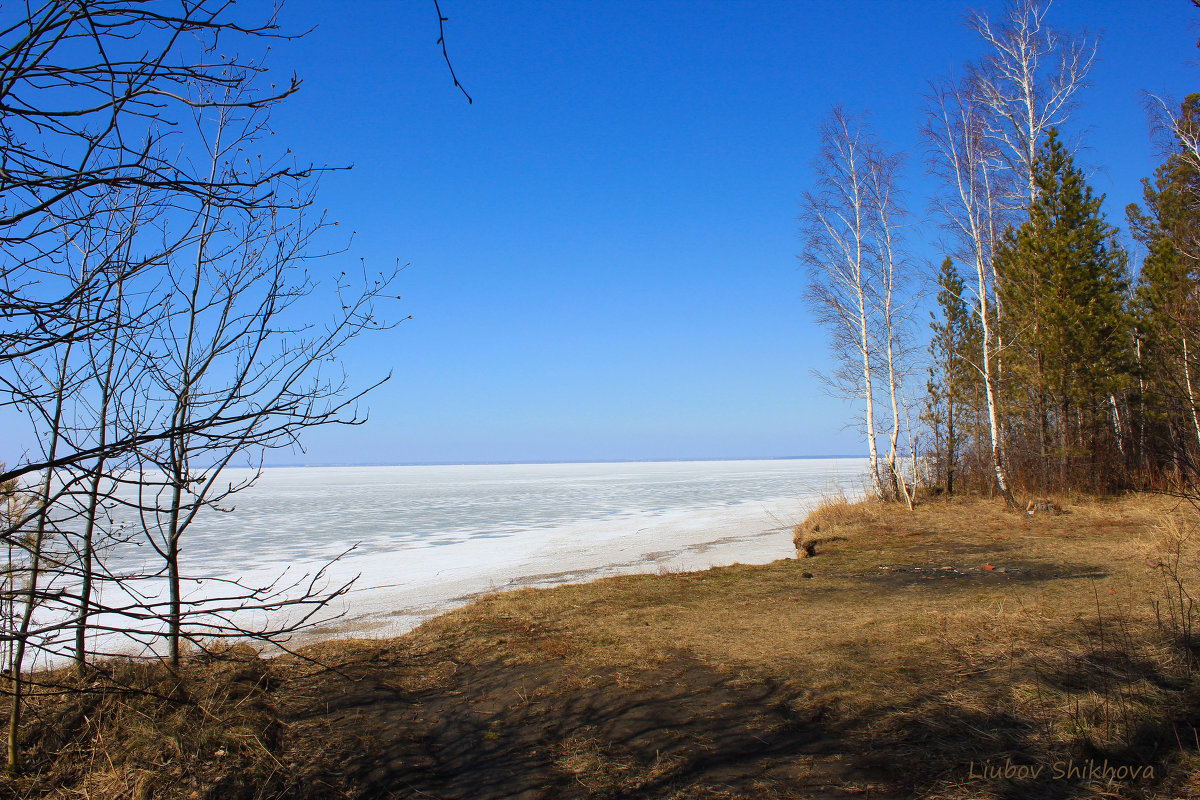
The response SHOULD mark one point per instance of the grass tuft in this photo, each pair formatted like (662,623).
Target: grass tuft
(833,516)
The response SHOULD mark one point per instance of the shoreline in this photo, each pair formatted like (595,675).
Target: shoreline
(757,532)
(420,542)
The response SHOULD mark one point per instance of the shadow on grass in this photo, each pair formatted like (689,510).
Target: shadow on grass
(683,729)
(1007,571)
(534,731)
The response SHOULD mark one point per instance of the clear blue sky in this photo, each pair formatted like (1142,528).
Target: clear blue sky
(603,246)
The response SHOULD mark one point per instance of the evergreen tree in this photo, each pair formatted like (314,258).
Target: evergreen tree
(953,376)
(1170,232)
(1166,303)
(1063,281)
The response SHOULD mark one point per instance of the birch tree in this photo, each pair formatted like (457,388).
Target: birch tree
(893,315)
(835,224)
(965,160)
(853,254)
(1027,82)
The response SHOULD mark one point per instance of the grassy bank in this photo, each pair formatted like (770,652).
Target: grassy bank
(922,654)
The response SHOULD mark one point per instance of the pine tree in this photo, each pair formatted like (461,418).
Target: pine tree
(953,376)
(1166,306)
(1170,231)
(1063,281)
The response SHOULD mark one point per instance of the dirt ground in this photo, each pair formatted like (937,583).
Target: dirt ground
(958,651)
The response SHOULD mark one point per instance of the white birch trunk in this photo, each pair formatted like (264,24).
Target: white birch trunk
(956,131)
(1142,402)
(869,396)
(1118,431)
(837,230)
(989,389)
(1187,375)
(899,486)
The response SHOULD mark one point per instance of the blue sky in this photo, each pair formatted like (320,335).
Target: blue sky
(603,245)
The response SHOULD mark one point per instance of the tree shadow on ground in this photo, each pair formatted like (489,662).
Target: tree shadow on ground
(682,729)
(534,731)
(1006,571)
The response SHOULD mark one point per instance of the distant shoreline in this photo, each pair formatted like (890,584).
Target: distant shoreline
(550,461)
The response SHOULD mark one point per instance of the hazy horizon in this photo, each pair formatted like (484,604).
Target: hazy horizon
(481,463)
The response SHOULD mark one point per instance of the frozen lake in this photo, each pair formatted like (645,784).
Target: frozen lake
(429,538)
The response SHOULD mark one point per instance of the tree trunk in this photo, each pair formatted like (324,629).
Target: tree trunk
(86,559)
(35,565)
(869,396)
(950,441)
(1187,374)
(899,487)
(1142,458)
(87,556)
(1118,429)
(174,613)
(990,393)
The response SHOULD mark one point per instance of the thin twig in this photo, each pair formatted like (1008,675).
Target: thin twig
(442,41)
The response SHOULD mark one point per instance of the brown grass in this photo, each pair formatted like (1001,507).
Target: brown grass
(924,648)
(142,730)
(833,514)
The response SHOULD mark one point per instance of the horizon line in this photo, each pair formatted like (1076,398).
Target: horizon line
(545,461)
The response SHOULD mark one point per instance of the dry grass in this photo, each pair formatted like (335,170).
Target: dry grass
(924,647)
(141,730)
(834,513)
(916,631)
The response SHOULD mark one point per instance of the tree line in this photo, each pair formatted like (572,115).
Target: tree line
(159,325)
(1049,367)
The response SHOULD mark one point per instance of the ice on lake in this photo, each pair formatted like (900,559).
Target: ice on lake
(428,538)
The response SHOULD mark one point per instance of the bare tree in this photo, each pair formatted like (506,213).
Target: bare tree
(835,222)
(91,93)
(142,372)
(116,365)
(852,248)
(1027,82)
(60,378)
(236,372)
(893,313)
